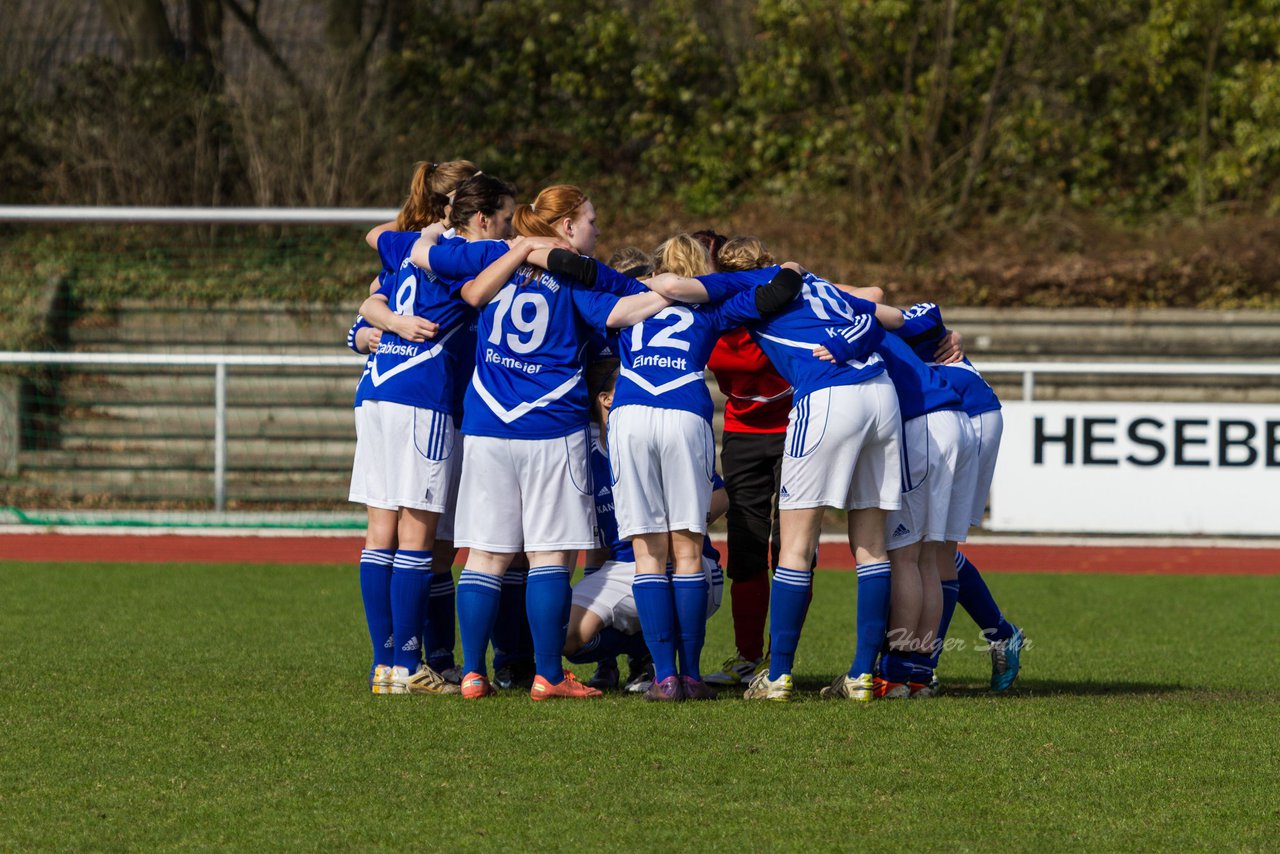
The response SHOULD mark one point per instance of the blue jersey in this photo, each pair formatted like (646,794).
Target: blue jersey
(419,374)
(528,381)
(923,331)
(606,522)
(664,358)
(363,386)
(921,389)
(820,311)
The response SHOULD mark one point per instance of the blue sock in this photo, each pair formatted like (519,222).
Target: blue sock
(690,594)
(375,590)
(896,667)
(788,605)
(589,570)
(873,616)
(438,634)
(950,593)
(656,606)
(512,626)
(977,600)
(608,643)
(547,600)
(410,579)
(921,668)
(478,597)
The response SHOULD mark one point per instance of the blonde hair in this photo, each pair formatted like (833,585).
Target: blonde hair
(630,258)
(744,253)
(683,255)
(552,205)
(429,192)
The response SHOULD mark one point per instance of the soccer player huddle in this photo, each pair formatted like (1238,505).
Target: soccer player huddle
(527,402)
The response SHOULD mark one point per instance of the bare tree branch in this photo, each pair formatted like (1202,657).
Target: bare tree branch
(260,40)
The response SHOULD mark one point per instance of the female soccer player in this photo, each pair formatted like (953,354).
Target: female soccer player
(961,580)
(662,451)
(662,454)
(407,466)
(430,193)
(757,404)
(526,484)
(604,622)
(937,451)
(841,448)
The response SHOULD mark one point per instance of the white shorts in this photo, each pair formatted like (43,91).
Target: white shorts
(987,428)
(406,456)
(662,461)
(607,593)
(525,495)
(935,448)
(841,449)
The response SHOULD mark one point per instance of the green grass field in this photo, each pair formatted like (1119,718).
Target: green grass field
(202,707)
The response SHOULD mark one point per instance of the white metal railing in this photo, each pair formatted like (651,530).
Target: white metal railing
(221,362)
(1186,369)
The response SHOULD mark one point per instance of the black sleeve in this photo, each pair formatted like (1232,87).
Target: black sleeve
(562,262)
(782,289)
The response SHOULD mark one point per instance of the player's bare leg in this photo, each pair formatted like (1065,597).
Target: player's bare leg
(906,599)
(584,624)
(381,532)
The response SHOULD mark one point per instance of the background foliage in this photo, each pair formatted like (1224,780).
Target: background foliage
(906,132)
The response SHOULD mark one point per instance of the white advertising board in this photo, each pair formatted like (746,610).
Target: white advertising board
(1150,468)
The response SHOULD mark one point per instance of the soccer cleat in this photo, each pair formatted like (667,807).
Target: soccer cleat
(606,676)
(845,687)
(762,688)
(734,671)
(696,689)
(380,683)
(424,680)
(475,686)
(1006,660)
(518,674)
(640,679)
(568,687)
(886,690)
(669,690)
(452,675)
(920,690)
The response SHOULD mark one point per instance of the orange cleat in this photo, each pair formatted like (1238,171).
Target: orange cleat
(569,687)
(475,686)
(886,690)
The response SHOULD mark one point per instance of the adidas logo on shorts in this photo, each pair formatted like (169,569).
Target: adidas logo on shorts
(782,493)
(604,490)
(901,530)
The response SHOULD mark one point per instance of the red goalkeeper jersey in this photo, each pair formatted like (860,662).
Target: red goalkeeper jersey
(758,399)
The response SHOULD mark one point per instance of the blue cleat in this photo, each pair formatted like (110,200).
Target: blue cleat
(1006,660)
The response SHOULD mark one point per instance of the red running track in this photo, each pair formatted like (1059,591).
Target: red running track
(991,557)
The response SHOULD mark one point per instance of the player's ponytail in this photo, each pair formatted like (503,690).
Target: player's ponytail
(744,253)
(550,207)
(430,192)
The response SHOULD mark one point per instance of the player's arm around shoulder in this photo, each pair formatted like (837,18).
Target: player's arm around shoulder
(478,292)
(628,311)
(409,327)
